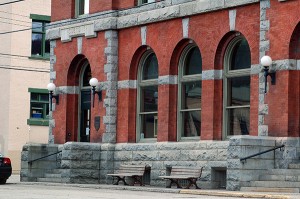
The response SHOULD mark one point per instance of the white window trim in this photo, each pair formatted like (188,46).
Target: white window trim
(86,8)
(140,2)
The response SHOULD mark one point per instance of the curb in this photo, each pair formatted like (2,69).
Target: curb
(234,194)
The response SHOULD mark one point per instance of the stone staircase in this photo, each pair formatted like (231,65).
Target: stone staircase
(52,176)
(278,180)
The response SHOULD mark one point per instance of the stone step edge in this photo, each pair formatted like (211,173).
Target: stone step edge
(270,189)
(232,194)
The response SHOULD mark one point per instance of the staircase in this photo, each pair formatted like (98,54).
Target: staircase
(52,176)
(278,180)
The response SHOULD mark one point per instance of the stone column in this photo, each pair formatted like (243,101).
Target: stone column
(52,78)
(264,46)
(110,101)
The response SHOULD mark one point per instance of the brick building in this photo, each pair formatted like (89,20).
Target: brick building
(181,84)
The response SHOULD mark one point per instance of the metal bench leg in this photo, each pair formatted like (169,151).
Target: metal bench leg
(138,180)
(174,182)
(120,179)
(192,182)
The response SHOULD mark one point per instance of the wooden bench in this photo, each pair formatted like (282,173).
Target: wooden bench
(184,173)
(135,172)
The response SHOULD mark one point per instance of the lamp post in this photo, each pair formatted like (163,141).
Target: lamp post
(266,62)
(51,87)
(94,82)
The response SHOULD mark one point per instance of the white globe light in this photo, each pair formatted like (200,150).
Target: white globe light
(266,61)
(93,81)
(51,87)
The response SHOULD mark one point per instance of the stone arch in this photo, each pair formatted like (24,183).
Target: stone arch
(73,80)
(176,55)
(294,85)
(222,47)
(294,46)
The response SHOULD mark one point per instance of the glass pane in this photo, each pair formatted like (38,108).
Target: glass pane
(35,96)
(37,110)
(37,26)
(47,46)
(191,123)
(47,110)
(239,91)
(193,63)
(87,76)
(191,95)
(149,126)
(81,5)
(241,57)
(239,121)
(150,68)
(44,97)
(149,99)
(36,45)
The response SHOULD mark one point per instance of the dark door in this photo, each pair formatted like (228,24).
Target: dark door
(85,115)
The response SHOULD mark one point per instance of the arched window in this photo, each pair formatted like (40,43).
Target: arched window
(147,97)
(236,118)
(189,89)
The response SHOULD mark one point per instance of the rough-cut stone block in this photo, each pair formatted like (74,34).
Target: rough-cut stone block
(109,138)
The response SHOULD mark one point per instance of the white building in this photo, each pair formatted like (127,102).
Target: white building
(24,73)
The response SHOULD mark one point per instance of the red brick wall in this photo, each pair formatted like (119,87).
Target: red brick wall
(283,98)
(68,68)
(61,10)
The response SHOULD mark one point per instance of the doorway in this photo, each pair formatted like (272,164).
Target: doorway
(85,104)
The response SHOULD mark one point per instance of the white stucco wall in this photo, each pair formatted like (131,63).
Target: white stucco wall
(17,74)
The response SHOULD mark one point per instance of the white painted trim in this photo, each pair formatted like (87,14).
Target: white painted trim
(144,35)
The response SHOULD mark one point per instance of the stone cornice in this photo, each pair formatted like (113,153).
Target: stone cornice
(149,13)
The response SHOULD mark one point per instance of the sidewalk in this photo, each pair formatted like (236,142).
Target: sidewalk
(209,192)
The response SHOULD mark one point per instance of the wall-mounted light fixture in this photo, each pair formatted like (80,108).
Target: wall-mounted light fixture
(94,83)
(51,87)
(266,62)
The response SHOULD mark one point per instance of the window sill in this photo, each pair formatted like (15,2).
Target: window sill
(38,122)
(148,140)
(190,139)
(40,58)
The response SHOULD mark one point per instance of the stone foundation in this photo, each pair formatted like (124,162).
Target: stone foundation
(89,163)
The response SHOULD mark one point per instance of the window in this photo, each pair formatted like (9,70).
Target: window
(82,7)
(190,89)
(147,97)
(40,47)
(39,107)
(145,1)
(237,88)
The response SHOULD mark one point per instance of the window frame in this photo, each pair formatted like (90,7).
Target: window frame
(228,75)
(140,85)
(44,121)
(44,19)
(181,80)
(140,2)
(77,2)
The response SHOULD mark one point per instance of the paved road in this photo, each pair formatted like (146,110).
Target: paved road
(14,189)
(23,191)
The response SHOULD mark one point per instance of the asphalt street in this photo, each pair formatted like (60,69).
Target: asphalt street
(14,189)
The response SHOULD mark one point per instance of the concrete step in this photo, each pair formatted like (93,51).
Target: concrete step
(294,166)
(56,180)
(291,178)
(270,189)
(54,171)
(52,175)
(275,184)
(283,172)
